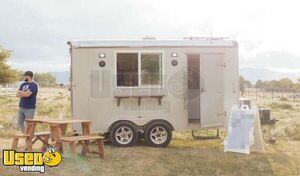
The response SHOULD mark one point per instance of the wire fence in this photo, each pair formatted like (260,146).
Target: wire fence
(8,89)
(272,93)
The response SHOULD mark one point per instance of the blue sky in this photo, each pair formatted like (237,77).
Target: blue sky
(37,31)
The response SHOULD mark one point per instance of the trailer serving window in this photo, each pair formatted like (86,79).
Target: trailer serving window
(139,69)
(151,69)
(127,69)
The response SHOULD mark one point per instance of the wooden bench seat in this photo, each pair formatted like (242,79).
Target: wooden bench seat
(30,140)
(84,141)
(80,138)
(42,133)
(20,135)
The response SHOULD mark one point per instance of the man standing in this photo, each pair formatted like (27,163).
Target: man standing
(27,93)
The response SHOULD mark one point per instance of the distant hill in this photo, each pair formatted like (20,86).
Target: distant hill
(251,74)
(254,74)
(61,77)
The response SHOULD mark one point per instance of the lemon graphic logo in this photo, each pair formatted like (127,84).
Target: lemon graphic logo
(52,158)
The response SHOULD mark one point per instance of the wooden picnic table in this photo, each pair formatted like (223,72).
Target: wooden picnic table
(58,129)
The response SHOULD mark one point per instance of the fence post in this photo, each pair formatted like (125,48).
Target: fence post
(6,89)
(294,95)
(248,91)
(256,93)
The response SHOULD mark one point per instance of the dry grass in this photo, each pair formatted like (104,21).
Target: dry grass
(184,156)
(50,103)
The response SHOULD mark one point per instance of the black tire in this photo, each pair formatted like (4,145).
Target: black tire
(150,139)
(116,129)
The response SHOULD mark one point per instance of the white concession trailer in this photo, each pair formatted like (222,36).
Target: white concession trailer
(153,87)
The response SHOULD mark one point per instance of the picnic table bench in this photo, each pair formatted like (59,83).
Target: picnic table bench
(84,141)
(42,136)
(57,133)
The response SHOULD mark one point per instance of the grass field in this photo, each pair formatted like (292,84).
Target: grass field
(184,156)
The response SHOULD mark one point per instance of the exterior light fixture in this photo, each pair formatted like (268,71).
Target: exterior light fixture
(101,55)
(174,54)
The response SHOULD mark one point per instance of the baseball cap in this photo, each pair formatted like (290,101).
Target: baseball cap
(28,73)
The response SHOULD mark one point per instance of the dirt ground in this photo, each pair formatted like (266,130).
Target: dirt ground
(184,156)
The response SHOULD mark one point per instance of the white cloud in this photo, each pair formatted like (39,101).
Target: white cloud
(37,30)
(40,67)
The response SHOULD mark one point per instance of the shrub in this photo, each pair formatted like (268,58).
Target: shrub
(283,99)
(293,131)
(276,105)
(296,137)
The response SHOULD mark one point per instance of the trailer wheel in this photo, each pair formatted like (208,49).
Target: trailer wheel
(158,134)
(123,134)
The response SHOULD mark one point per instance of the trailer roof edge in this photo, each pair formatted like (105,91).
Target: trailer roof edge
(152,43)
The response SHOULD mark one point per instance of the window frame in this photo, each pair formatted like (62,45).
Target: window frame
(140,52)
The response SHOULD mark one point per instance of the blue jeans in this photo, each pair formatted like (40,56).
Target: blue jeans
(25,114)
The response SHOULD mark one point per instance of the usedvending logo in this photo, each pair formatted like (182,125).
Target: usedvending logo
(32,161)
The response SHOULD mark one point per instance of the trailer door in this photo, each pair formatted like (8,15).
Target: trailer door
(193,76)
(212,90)
(80,87)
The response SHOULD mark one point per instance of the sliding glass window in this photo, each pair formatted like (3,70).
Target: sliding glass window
(139,69)
(151,69)
(127,69)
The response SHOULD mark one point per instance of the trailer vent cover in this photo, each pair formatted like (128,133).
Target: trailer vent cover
(174,62)
(102,63)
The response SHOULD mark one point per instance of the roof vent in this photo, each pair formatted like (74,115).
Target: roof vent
(149,38)
(205,38)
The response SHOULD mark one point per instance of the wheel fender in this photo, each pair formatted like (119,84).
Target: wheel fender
(158,120)
(109,128)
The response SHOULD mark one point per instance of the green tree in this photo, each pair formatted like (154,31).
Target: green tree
(247,83)
(44,79)
(286,83)
(273,84)
(282,83)
(260,84)
(7,75)
(244,84)
(297,85)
